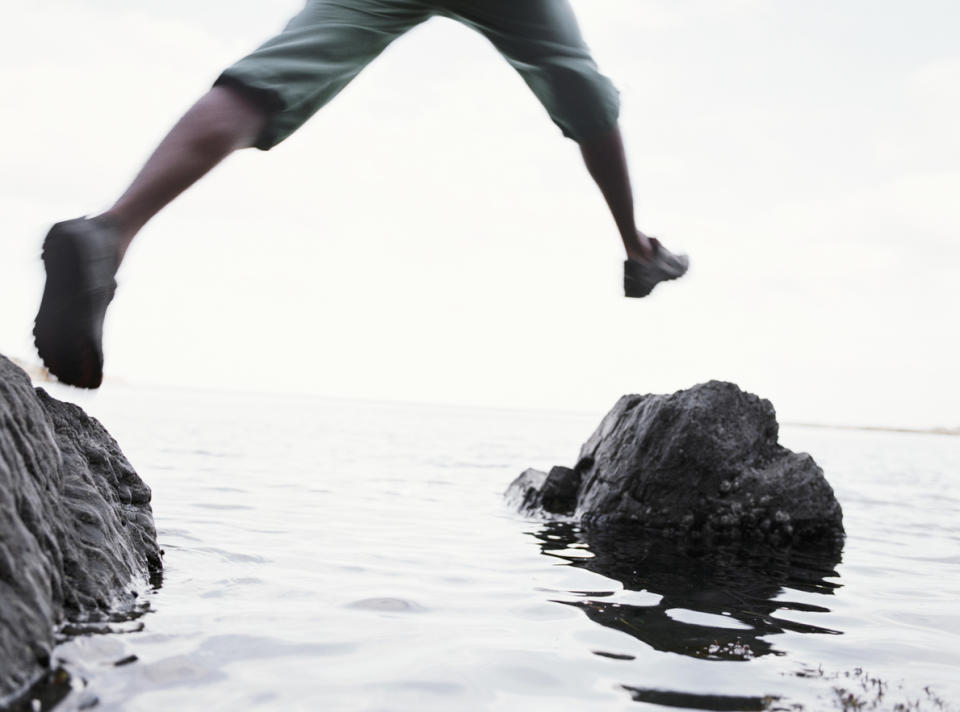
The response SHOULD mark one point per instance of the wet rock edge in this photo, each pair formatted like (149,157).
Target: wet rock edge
(77,537)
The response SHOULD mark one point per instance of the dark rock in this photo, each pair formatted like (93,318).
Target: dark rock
(699,464)
(76,528)
(559,492)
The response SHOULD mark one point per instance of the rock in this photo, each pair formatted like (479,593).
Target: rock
(76,530)
(701,464)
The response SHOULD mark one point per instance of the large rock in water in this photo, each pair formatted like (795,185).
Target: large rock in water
(701,464)
(76,529)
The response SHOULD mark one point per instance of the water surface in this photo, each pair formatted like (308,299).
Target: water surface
(347,555)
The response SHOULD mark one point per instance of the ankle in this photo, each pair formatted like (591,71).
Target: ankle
(122,229)
(639,247)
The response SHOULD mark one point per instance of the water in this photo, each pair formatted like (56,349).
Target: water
(339,555)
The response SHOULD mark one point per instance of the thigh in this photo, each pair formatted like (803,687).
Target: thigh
(524,29)
(373,21)
(541,39)
(316,55)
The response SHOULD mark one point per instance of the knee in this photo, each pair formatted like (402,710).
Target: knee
(583,102)
(227,119)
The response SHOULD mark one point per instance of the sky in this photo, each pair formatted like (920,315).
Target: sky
(430,236)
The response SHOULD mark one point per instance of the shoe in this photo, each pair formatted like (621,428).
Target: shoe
(639,278)
(80,258)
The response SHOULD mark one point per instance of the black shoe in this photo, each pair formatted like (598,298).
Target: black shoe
(639,278)
(80,258)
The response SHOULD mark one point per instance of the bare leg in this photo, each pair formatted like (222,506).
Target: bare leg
(607,163)
(221,122)
(81,258)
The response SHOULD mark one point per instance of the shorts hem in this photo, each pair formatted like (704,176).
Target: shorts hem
(266,98)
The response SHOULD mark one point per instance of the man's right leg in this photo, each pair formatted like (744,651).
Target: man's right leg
(542,41)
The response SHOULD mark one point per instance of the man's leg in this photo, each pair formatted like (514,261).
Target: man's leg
(605,159)
(259,101)
(541,40)
(264,98)
(221,122)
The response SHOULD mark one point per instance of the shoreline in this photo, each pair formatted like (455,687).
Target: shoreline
(877,428)
(39,375)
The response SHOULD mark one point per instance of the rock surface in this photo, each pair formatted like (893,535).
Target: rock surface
(76,528)
(701,464)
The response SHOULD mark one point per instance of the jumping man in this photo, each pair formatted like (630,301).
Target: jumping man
(268,95)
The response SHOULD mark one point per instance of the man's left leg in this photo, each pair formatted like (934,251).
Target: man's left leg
(258,101)
(542,41)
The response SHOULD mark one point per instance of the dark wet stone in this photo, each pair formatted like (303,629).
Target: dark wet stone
(702,464)
(559,492)
(76,526)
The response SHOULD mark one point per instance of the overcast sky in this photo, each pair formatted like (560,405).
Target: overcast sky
(430,236)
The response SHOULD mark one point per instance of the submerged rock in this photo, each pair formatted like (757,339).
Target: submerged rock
(701,464)
(76,528)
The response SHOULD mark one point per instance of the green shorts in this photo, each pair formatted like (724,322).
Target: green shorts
(330,41)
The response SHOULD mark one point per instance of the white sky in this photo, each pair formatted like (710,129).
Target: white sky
(430,236)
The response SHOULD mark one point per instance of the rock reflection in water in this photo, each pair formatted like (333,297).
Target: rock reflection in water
(720,604)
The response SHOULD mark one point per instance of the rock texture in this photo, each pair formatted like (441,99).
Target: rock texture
(701,464)
(76,528)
